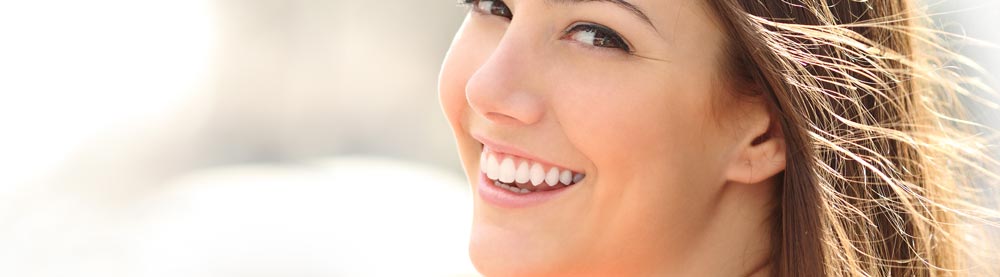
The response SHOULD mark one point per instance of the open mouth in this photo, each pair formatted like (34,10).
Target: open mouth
(524,176)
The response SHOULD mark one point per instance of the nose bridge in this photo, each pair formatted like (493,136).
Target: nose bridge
(504,89)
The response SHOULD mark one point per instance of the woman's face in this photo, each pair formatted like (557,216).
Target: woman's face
(611,101)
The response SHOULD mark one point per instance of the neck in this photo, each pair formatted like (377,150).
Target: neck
(737,239)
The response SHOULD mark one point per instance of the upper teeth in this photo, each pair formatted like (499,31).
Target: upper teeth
(510,169)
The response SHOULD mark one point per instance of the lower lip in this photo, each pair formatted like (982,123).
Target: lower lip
(507,199)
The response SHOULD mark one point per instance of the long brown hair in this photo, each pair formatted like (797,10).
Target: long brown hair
(877,180)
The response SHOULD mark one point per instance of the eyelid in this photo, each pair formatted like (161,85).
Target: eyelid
(474,5)
(575,25)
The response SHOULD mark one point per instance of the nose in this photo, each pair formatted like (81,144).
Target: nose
(506,87)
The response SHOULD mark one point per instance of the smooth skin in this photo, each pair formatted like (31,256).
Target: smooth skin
(680,170)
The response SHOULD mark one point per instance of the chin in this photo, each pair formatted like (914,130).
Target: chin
(493,260)
(497,252)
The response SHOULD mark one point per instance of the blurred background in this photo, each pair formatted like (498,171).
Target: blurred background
(247,138)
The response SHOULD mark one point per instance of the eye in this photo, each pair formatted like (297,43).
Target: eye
(490,7)
(597,36)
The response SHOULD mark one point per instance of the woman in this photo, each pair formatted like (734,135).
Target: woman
(710,138)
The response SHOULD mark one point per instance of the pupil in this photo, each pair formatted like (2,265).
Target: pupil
(605,42)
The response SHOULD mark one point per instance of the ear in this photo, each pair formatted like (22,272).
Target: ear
(760,153)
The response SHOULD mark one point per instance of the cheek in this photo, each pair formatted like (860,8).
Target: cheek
(470,48)
(638,122)
(468,51)
(455,72)
(648,135)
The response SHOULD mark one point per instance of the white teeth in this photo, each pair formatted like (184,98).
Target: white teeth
(565,177)
(522,175)
(482,162)
(553,177)
(507,170)
(537,174)
(492,168)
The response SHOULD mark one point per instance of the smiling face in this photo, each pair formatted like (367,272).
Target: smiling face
(620,102)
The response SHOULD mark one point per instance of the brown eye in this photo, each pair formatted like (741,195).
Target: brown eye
(597,36)
(493,7)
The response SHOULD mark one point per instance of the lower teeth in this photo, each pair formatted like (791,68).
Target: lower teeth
(510,187)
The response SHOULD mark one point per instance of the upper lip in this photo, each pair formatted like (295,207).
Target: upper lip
(510,149)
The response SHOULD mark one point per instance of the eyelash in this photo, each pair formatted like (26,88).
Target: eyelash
(498,10)
(600,37)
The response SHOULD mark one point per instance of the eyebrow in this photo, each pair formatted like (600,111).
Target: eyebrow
(621,3)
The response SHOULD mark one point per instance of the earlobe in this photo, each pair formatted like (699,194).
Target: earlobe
(759,158)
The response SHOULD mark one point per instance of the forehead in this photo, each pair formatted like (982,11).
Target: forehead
(680,21)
